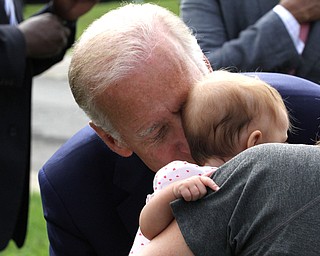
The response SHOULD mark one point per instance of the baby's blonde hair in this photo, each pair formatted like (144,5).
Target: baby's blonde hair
(220,107)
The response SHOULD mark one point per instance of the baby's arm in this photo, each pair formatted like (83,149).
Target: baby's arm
(157,215)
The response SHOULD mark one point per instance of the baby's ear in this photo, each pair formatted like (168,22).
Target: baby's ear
(254,138)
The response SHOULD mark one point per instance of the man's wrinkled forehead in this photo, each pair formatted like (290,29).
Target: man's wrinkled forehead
(163,70)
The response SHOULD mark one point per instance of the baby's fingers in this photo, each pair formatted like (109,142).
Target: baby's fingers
(209,173)
(208,182)
(186,194)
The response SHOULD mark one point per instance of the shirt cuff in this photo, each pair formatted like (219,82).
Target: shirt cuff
(292,26)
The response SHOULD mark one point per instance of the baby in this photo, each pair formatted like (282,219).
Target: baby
(225,113)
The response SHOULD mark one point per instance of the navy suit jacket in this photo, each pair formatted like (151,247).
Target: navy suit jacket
(92,197)
(16,73)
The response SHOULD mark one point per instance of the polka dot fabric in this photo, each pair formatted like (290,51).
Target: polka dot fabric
(172,172)
(177,170)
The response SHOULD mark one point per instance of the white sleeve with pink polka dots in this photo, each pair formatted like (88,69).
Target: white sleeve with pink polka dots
(174,171)
(178,170)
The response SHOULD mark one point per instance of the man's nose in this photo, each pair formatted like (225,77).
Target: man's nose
(182,144)
(183,147)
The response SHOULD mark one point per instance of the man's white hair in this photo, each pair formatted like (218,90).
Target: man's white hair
(117,44)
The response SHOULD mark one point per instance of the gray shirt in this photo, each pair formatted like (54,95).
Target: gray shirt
(268,204)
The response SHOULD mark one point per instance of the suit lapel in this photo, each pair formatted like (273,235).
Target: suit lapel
(18,10)
(311,53)
(135,178)
(3,16)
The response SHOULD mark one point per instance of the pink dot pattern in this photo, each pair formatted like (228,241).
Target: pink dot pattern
(172,172)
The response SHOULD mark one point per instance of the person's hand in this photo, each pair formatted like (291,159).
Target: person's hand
(72,9)
(303,11)
(45,35)
(194,188)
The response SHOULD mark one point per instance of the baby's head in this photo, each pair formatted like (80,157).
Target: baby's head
(228,112)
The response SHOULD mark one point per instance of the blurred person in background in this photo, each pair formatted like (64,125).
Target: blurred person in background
(258,35)
(27,48)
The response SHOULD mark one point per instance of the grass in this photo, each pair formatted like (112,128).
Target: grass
(36,243)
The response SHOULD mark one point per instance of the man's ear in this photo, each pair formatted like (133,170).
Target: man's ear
(115,145)
(254,138)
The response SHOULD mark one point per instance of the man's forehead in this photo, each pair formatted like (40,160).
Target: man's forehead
(152,89)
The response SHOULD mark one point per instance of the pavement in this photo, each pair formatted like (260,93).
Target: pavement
(55,116)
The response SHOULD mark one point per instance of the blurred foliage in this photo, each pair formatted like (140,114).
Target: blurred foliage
(36,243)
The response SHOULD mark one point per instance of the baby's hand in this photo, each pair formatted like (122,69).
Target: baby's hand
(194,188)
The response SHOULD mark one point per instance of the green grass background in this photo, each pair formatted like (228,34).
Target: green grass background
(36,243)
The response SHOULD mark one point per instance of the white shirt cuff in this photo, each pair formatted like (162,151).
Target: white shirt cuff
(10,10)
(292,26)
